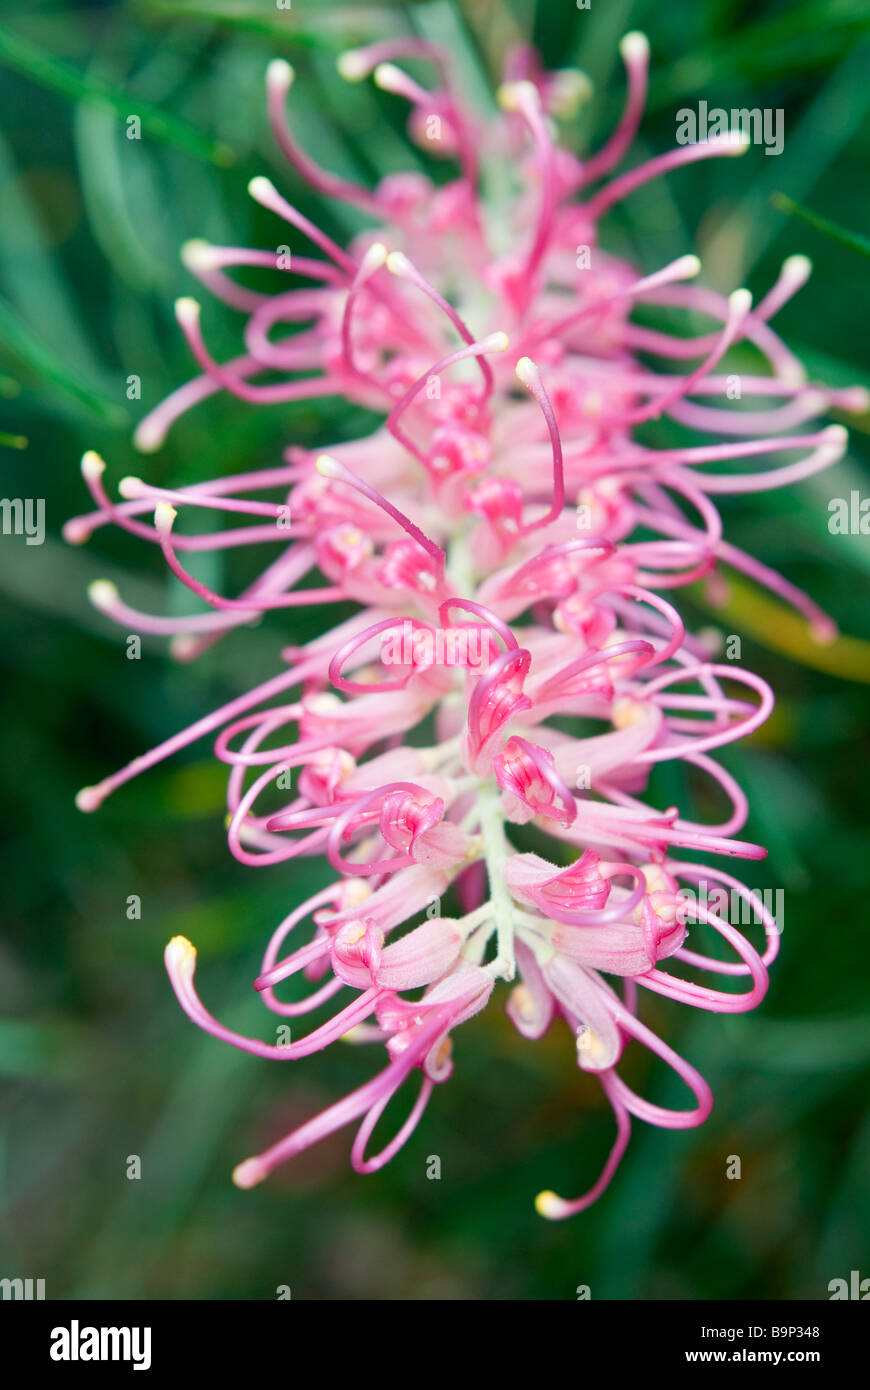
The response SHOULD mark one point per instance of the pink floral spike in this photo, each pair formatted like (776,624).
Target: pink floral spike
(507,543)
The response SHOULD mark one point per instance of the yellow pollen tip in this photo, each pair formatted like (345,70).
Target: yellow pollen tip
(736,142)
(249,1173)
(510,95)
(180,954)
(76,531)
(183,646)
(389,78)
(354,1036)
(148,436)
(187,310)
(350,934)
(797,268)
(280,73)
(132,487)
(655,879)
(521,998)
(627,712)
(102,593)
(375,256)
(93,466)
(548,1204)
(197,254)
(634,47)
(398,263)
(589,1044)
(356,890)
(740,302)
(351,65)
(89,798)
(835,439)
(327,466)
(164,516)
(261,189)
(182,943)
(571,87)
(526,371)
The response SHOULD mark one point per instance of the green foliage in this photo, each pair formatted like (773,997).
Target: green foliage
(101,1062)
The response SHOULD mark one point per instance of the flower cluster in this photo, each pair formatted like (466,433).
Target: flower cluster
(504,497)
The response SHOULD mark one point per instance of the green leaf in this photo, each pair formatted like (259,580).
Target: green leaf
(852,240)
(326,26)
(31,352)
(42,67)
(749,610)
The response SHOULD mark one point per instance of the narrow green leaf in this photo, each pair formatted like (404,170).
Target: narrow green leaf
(42,67)
(31,352)
(782,630)
(852,240)
(327,27)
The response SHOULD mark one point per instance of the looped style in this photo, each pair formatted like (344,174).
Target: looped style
(501,504)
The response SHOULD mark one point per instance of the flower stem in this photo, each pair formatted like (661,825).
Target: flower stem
(496,850)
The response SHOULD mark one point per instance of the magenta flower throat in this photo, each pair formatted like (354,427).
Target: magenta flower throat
(511,549)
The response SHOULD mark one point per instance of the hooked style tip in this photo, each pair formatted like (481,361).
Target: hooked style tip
(527,372)
(835,440)
(498,341)
(824,632)
(187,310)
(735,141)
(103,594)
(148,436)
(132,487)
(740,303)
(249,1173)
(375,257)
(197,254)
(356,1035)
(261,189)
(180,956)
(389,78)
(634,47)
(184,646)
(89,798)
(551,1206)
(571,88)
(510,95)
(352,65)
(76,531)
(328,467)
(687,267)
(798,269)
(280,74)
(397,263)
(627,711)
(164,516)
(93,466)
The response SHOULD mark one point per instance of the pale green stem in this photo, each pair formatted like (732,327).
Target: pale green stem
(496,849)
(459,567)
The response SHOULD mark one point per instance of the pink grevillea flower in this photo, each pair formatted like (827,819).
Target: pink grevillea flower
(504,504)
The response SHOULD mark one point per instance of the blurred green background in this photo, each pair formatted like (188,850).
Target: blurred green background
(97,1060)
